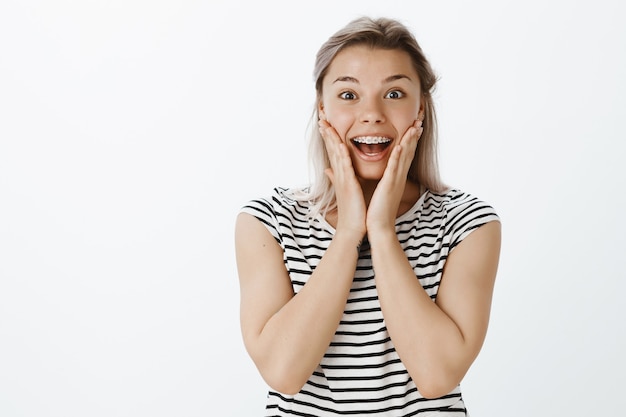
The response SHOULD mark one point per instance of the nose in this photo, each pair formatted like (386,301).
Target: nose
(372,112)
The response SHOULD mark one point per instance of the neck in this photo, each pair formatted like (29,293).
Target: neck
(410,195)
(368,187)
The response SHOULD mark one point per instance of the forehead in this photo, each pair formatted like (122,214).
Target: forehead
(365,63)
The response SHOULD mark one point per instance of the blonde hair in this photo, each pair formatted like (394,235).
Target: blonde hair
(382,33)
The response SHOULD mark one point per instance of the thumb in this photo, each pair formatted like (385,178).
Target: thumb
(330,174)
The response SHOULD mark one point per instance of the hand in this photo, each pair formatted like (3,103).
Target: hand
(348,193)
(383,208)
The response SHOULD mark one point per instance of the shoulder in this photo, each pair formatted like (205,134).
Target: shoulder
(282,207)
(456,202)
(279,200)
(463,212)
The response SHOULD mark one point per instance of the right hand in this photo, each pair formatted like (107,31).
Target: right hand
(351,209)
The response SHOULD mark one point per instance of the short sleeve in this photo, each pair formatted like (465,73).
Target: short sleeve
(265,212)
(465,214)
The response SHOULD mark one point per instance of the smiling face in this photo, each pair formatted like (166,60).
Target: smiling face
(371,97)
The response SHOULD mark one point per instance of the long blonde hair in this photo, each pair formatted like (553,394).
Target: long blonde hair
(382,33)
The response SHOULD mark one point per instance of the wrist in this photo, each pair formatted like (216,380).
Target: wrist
(348,238)
(381,235)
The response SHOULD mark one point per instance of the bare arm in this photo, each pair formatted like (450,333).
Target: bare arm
(286,335)
(439,341)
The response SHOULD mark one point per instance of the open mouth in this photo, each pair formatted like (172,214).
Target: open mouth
(371,145)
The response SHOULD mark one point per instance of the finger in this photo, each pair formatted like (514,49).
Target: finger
(330,174)
(413,132)
(338,152)
(410,139)
(394,158)
(403,153)
(329,134)
(331,139)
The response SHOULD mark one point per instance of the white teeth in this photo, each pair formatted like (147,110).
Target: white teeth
(370,140)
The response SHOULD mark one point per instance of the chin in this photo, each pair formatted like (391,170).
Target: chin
(370,174)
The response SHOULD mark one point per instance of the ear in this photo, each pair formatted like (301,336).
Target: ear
(320,110)
(420,113)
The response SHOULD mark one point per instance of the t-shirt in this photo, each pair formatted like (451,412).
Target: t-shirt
(361,373)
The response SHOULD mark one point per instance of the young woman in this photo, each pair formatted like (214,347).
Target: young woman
(369,292)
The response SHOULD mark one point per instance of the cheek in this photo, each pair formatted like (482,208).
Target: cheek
(408,117)
(341,122)
(405,120)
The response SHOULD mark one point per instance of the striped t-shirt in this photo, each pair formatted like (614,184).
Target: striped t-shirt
(361,373)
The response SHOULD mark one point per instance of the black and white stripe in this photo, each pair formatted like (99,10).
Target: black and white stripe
(361,373)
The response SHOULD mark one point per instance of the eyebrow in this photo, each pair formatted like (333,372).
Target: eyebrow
(389,79)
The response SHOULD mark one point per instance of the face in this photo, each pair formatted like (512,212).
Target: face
(371,97)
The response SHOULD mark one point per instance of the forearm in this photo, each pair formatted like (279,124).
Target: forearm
(294,340)
(429,343)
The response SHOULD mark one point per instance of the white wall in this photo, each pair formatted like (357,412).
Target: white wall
(132,131)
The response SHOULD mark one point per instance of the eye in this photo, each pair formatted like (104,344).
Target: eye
(347,95)
(394,94)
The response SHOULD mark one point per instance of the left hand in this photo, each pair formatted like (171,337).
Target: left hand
(383,208)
